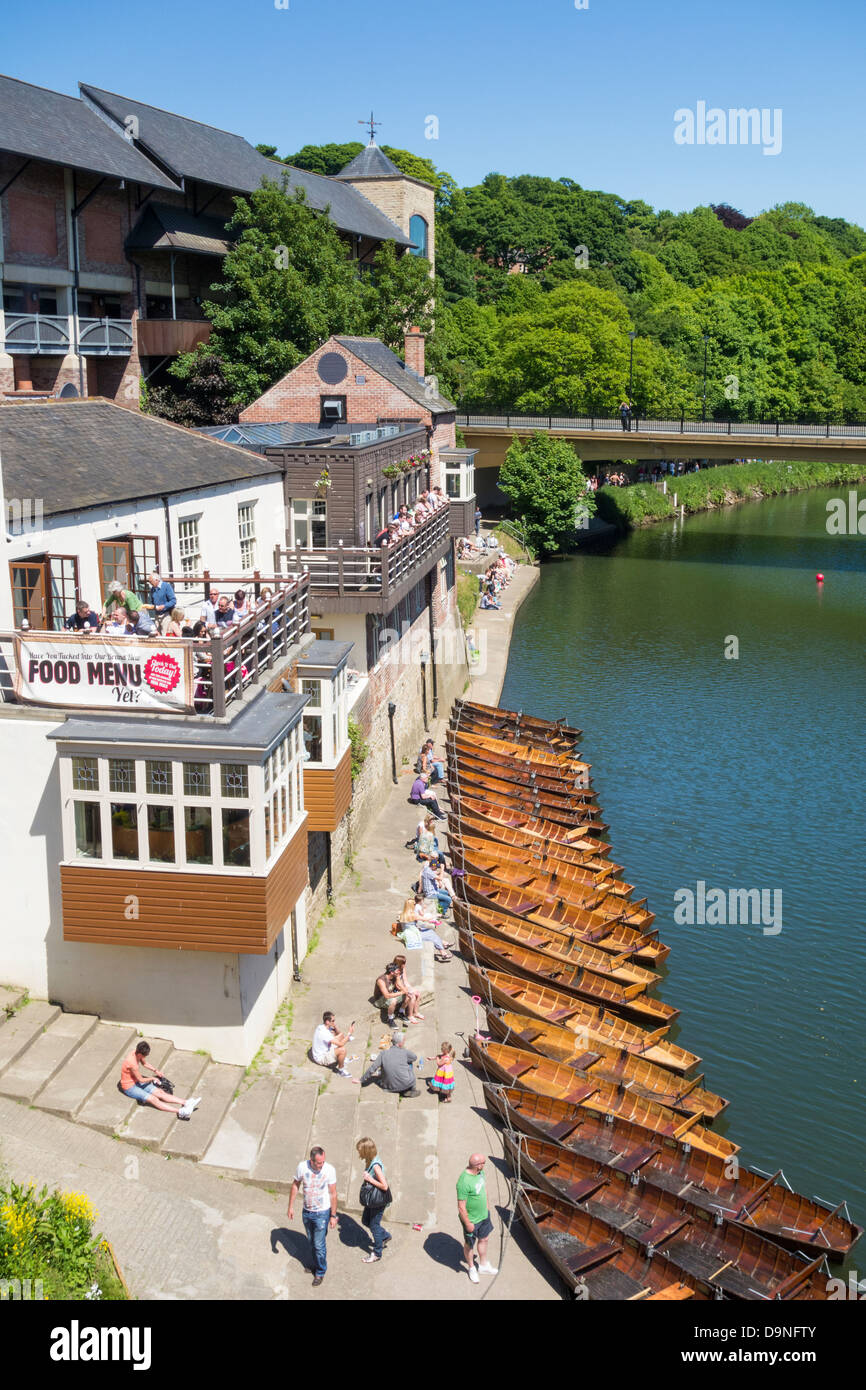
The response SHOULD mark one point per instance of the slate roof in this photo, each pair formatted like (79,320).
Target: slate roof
(259,726)
(161,227)
(287,433)
(79,454)
(371,163)
(47,125)
(196,151)
(381,359)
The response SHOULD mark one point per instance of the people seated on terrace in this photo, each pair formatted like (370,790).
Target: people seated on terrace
(200,630)
(421,793)
(266,596)
(411,995)
(426,841)
(488,601)
(163,600)
(329,1044)
(115,624)
(140,624)
(83,619)
(242,606)
(436,885)
(209,607)
(386,993)
(225,614)
(414,931)
(117,595)
(176,625)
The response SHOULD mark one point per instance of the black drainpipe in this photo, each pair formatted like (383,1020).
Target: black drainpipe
(433,674)
(168,536)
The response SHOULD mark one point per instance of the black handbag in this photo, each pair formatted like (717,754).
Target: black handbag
(372,1198)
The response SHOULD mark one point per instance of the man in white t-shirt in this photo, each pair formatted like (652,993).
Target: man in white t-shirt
(319,1182)
(329,1044)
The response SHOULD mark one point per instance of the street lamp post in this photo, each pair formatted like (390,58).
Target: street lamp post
(704,403)
(632,335)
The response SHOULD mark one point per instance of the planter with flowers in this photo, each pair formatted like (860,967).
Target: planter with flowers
(323,483)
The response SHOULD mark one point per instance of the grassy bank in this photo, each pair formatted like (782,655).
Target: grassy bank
(642,504)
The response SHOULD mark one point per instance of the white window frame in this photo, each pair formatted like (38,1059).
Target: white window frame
(189,553)
(303,512)
(247,535)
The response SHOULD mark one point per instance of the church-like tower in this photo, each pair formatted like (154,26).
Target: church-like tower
(409,202)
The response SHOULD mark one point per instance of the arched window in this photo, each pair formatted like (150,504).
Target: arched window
(418,233)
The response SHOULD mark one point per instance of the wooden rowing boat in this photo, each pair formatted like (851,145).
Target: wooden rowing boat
(626,999)
(577,789)
(559,945)
(509,796)
(510,818)
(515,1066)
(593,898)
(598,1262)
(463,843)
(593,1025)
(476,744)
(609,934)
(514,719)
(463,825)
(740,1264)
(729,1190)
(617,1067)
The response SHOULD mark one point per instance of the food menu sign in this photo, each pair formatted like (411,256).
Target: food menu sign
(95,673)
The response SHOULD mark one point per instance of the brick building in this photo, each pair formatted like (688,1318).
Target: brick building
(112,230)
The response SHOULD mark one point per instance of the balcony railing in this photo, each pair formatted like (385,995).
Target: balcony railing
(373,572)
(53,335)
(224,664)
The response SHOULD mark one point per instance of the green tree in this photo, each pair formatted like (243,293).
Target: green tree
(287,284)
(399,292)
(544,482)
(205,398)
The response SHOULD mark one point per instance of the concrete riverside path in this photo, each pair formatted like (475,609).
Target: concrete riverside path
(214,1190)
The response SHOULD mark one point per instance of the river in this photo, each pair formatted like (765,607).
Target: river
(741,771)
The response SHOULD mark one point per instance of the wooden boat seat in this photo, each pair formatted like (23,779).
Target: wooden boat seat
(579,1190)
(588,1259)
(517,1070)
(561,1131)
(663,1230)
(630,1162)
(585,1060)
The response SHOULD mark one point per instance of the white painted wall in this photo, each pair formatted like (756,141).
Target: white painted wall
(222,1003)
(77,533)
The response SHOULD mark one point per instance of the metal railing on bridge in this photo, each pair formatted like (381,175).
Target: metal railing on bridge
(770,429)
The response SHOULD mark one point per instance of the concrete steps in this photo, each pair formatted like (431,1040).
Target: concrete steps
(10,997)
(216,1086)
(149,1128)
(18,1032)
(46,1054)
(288,1137)
(108,1109)
(96,1060)
(235,1146)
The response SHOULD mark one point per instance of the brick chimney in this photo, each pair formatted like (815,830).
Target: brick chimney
(413,350)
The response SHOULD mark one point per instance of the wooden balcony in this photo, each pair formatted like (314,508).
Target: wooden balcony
(169,337)
(370,579)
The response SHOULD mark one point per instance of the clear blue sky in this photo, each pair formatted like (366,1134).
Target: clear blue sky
(517,86)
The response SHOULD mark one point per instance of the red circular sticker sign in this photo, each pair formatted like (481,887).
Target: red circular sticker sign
(162,673)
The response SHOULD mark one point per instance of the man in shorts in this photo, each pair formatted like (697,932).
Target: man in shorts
(474,1217)
(133,1084)
(329,1044)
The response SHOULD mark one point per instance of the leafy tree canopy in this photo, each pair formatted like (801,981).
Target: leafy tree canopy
(544,481)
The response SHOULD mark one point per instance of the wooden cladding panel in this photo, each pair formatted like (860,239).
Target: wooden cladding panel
(182,911)
(328,793)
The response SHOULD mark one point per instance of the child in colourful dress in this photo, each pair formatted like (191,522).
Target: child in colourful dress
(443,1081)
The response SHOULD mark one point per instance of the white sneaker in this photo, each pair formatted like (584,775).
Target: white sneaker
(193,1104)
(473,1274)
(184,1112)
(487,1268)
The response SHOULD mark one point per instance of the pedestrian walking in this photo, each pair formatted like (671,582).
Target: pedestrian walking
(375,1198)
(474,1216)
(478,521)
(318,1180)
(625,415)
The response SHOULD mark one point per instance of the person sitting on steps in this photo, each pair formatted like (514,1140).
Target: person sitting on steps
(133,1084)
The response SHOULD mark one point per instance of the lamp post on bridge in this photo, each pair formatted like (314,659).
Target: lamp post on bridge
(704,402)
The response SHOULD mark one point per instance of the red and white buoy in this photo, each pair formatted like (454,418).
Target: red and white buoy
(819,579)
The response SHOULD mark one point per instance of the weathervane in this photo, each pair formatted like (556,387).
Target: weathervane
(373,127)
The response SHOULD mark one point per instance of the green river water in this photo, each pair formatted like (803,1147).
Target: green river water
(741,773)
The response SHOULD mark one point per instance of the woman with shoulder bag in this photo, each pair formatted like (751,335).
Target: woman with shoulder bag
(375,1196)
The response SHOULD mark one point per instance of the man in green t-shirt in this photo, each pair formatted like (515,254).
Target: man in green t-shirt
(474,1217)
(117,595)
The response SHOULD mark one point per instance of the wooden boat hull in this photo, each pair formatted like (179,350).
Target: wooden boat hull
(614,936)
(607,906)
(721,1259)
(594,1258)
(573,789)
(629,1000)
(615,1067)
(479,831)
(595,876)
(515,1066)
(592,1024)
(477,744)
(559,945)
(731,1191)
(512,798)
(515,719)
(510,818)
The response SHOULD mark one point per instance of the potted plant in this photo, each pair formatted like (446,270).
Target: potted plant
(323,482)
(392,470)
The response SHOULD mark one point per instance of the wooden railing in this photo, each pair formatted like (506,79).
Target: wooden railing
(226,662)
(343,570)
